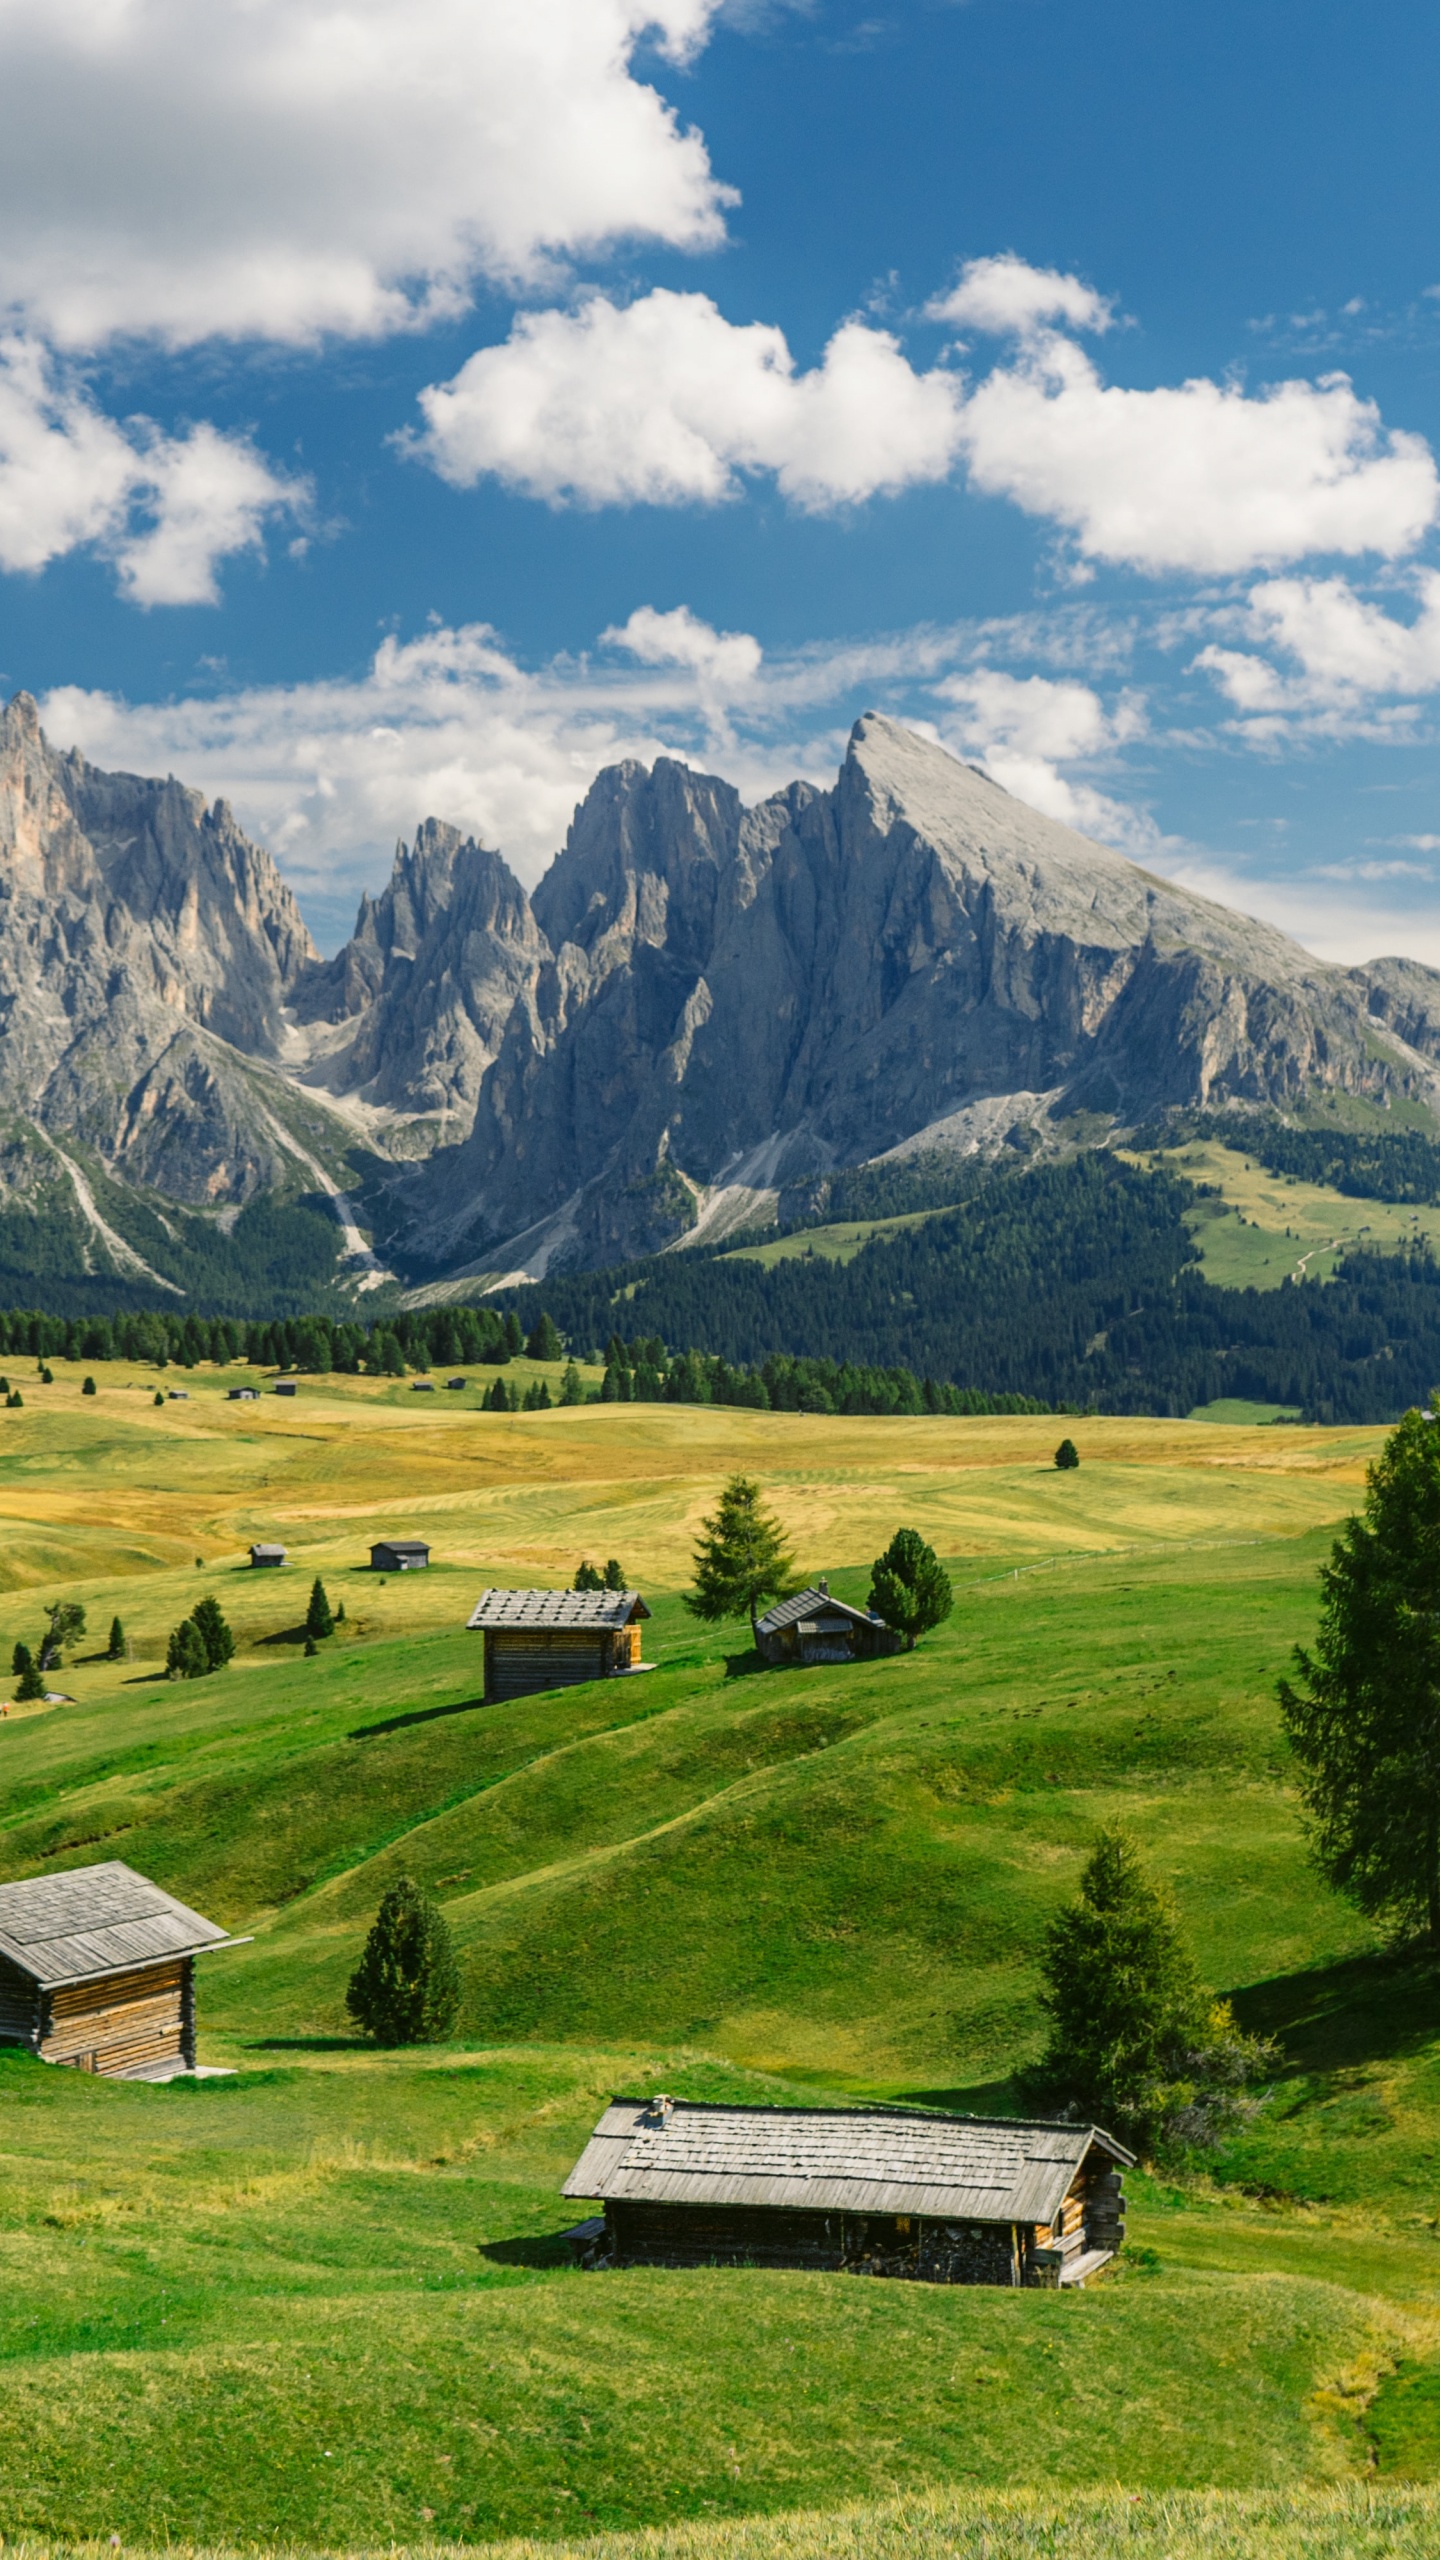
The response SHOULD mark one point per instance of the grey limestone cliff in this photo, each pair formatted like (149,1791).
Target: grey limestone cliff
(147,952)
(730,999)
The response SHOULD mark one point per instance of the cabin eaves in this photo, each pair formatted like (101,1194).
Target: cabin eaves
(867,2160)
(92,1921)
(588,1609)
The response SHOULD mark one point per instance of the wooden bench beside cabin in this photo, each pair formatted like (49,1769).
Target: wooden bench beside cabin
(883,2191)
(97,1970)
(538,1640)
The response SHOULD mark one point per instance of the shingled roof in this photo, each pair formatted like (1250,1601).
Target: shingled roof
(817,1602)
(597,1609)
(823,2160)
(91,1921)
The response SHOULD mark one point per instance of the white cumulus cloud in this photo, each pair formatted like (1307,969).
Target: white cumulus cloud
(1006,298)
(1339,650)
(281,168)
(166,509)
(665,401)
(1200,477)
(1023,729)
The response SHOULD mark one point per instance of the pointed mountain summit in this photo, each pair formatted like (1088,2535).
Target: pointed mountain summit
(701,1004)
(732,1000)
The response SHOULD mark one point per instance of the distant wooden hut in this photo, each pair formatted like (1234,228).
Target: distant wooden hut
(882,2191)
(552,1639)
(267,1557)
(97,1970)
(399,1555)
(813,1626)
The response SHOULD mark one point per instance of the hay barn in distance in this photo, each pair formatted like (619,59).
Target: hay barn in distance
(97,1970)
(882,2191)
(399,1555)
(553,1639)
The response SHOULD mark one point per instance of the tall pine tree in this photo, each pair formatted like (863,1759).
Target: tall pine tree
(741,1558)
(1363,1715)
(406,1987)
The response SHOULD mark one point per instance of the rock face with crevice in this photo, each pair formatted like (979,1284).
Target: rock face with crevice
(147,952)
(746,997)
(700,1003)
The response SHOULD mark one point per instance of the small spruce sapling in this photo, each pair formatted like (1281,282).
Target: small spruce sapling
(118,1649)
(319,1617)
(614,1578)
(185,1656)
(587,1578)
(909,1587)
(215,1635)
(30,1683)
(406,1987)
(89,1388)
(1067,1455)
(22,1657)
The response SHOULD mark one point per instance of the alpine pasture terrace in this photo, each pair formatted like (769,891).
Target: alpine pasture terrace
(325,2299)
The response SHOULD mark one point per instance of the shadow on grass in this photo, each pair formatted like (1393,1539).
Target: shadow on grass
(545,2249)
(971,2098)
(416,1715)
(285,1635)
(741,1666)
(1367,2008)
(311,2044)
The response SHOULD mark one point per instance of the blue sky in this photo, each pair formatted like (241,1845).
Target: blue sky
(409,410)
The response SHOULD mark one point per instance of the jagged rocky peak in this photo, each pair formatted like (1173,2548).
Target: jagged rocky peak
(202,912)
(147,949)
(756,995)
(662,855)
(408,1016)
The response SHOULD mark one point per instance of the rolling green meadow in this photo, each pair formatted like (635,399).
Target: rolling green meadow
(320,2299)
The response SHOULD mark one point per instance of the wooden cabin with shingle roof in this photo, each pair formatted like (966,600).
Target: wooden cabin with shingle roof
(813,1626)
(552,1639)
(883,2191)
(97,1970)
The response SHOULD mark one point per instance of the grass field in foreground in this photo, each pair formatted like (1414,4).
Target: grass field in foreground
(324,2299)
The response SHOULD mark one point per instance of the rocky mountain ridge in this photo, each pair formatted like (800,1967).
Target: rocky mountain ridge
(699,1004)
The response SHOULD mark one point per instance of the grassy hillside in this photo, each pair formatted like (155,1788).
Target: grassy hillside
(1262,1227)
(323,2299)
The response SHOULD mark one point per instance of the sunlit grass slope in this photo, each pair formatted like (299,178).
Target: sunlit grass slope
(323,2300)
(1267,1227)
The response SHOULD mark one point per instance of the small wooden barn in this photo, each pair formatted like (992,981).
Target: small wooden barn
(884,2191)
(267,1556)
(553,1639)
(97,1970)
(399,1555)
(814,1627)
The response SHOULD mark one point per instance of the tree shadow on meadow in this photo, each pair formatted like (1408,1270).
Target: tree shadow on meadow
(1367,2008)
(414,1715)
(540,2249)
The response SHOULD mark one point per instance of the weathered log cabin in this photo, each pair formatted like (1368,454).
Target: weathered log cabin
(813,1627)
(97,1970)
(553,1639)
(882,2191)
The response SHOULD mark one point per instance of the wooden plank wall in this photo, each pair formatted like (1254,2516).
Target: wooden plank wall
(522,1661)
(19,2006)
(121,2022)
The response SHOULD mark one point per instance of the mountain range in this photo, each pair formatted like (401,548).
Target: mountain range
(700,1010)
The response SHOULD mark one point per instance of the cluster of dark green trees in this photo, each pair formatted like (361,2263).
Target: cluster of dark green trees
(642,1372)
